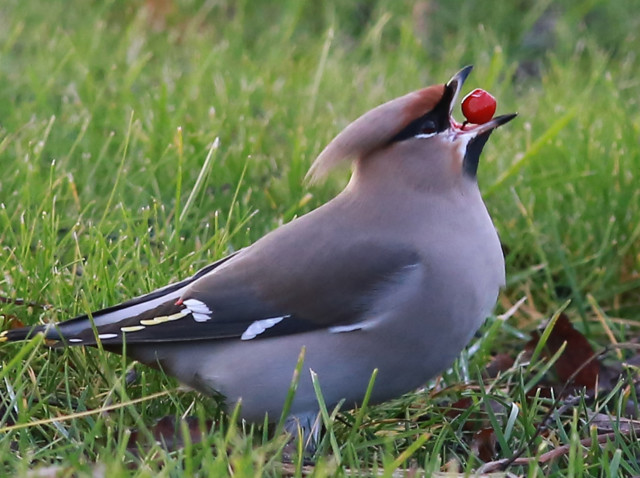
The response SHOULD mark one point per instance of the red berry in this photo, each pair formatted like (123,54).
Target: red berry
(478,106)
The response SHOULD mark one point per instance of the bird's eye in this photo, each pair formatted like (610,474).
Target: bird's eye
(429,127)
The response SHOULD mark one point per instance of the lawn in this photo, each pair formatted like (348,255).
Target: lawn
(139,141)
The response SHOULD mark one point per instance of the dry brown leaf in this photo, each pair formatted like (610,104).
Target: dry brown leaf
(576,365)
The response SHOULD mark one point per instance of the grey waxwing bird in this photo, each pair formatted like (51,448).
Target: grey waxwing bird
(395,273)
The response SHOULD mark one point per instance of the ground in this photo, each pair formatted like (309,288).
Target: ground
(141,140)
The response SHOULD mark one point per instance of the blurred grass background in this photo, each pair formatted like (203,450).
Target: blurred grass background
(108,111)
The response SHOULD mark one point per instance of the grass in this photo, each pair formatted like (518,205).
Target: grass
(135,149)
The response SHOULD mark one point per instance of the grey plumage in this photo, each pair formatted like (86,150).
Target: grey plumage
(396,273)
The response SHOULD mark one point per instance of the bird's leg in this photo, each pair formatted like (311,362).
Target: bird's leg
(304,428)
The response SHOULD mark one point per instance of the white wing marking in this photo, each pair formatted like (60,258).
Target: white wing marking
(259,326)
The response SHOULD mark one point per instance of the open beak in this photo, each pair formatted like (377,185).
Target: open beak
(453,88)
(475,135)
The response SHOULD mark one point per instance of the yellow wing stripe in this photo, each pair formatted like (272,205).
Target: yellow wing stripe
(132,328)
(165,318)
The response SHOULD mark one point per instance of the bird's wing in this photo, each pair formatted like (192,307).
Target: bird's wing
(251,296)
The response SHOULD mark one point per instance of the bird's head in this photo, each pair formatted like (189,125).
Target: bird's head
(417,127)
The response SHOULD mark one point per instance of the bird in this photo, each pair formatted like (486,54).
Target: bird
(396,273)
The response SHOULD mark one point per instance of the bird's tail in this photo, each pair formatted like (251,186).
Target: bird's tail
(84,325)
(24,333)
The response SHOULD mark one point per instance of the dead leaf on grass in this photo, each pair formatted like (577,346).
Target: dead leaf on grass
(577,365)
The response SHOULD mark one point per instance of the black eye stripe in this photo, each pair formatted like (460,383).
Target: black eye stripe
(435,121)
(432,122)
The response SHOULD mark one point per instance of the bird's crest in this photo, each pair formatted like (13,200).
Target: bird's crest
(374,129)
